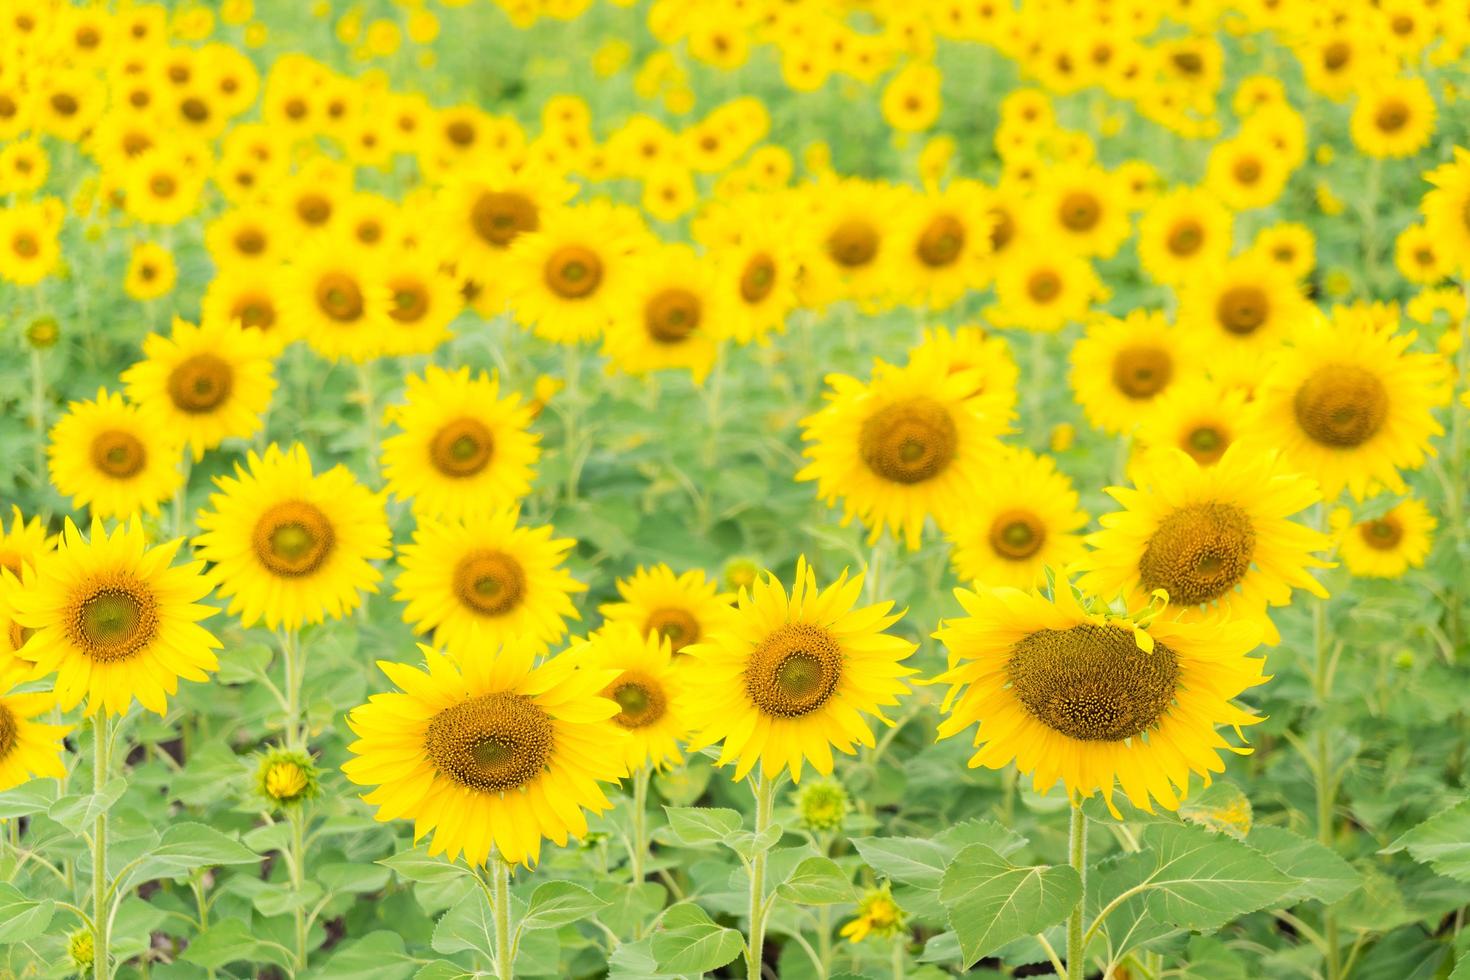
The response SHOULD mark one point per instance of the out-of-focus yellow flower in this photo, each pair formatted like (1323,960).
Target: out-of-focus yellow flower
(193,23)
(877,914)
(349,26)
(934,158)
(236,11)
(1063,434)
(321,9)
(679,100)
(543,392)
(423,27)
(383,38)
(1327,201)
(1325,154)
(256,34)
(1337,283)
(611,57)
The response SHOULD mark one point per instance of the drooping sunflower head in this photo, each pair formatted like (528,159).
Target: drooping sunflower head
(489,755)
(1092,700)
(772,684)
(291,547)
(108,456)
(680,608)
(1217,540)
(907,445)
(115,620)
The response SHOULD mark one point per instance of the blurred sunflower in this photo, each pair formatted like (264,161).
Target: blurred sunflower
(1183,233)
(906,446)
(1081,209)
(1045,289)
(463,448)
(971,350)
(1197,415)
(1239,313)
(289,547)
(791,677)
(203,384)
(26,541)
(1394,117)
(482,581)
(151,272)
(423,300)
(1219,540)
(1091,700)
(115,620)
(1447,208)
(666,318)
(1121,367)
(339,299)
(110,458)
(254,298)
(854,250)
(1388,545)
(490,754)
(1351,405)
(29,749)
(757,262)
(648,688)
(482,215)
(945,244)
(1024,520)
(682,609)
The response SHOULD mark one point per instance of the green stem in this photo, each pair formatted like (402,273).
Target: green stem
(639,849)
(369,413)
(1077,852)
(295,727)
(900,954)
(38,415)
(765,802)
(297,818)
(500,892)
(101,769)
(571,417)
(1326,778)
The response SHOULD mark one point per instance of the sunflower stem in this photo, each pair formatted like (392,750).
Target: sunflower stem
(899,955)
(765,801)
(1326,778)
(295,728)
(369,413)
(639,848)
(101,769)
(297,819)
(38,415)
(1077,854)
(500,899)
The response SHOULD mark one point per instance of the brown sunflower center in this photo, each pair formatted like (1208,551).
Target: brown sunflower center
(490,583)
(1205,443)
(339,297)
(1185,238)
(1247,170)
(410,300)
(499,216)
(293,538)
(1341,405)
(114,620)
(493,743)
(25,245)
(573,272)
(678,626)
(462,448)
(1092,682)
(909,441)
(119,454)
(794,671)
(1003,231)
(201,383)
(1242,309)
(1336,55)
(1383,534)
(758,278)
(641,699)
(314,209)
(9,730)
(1079,211)
(1198,553)
(671,315)
(1392,116)
(1043,286)
(255,311)
(941,241)
(1017,534)
(853,243)
(1142,372)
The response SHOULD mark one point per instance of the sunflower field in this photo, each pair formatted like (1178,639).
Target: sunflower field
(801,489)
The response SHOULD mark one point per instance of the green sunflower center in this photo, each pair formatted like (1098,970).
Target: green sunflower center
(1205,443)
(490,583)
(1198,553)
(1341,406)
(410,300)
(200,384)
(1142,372)
(113,621)
(794,671)
(641,699)
(462,448)
(493,743)
(909,441)
(1017,534)
(677,626)
(1384,534)
(941,241)
(1092,682)
(293,538)
(119,454)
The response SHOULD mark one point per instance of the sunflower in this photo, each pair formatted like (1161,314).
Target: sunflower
(1394,117)
(482,581)
(482,215)
(490,754)
(1246,171)
(756,253)
(29,248)
(1198,416)
(252,297)
(1419,256)
(1183,233)
(245,236)
(115,620)
(204,384)
(289,547)
(26,541)
(1081,209)
(1290,245)
(1239,313)
(107,456)
(463,448)
(29,749)
(424,300)
(567,279)
(682,609)
(1044,290)
(151,272)
(666,318)
(791,677)
(987,356)
(854,250)
(339,298)
(1447,208)
(162,186)
(1121,367)
(1219,540)
(945,244)
(903,447)
(1350,404)
(1091,700)
(1388,545)
(648,688)
(1024,520)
